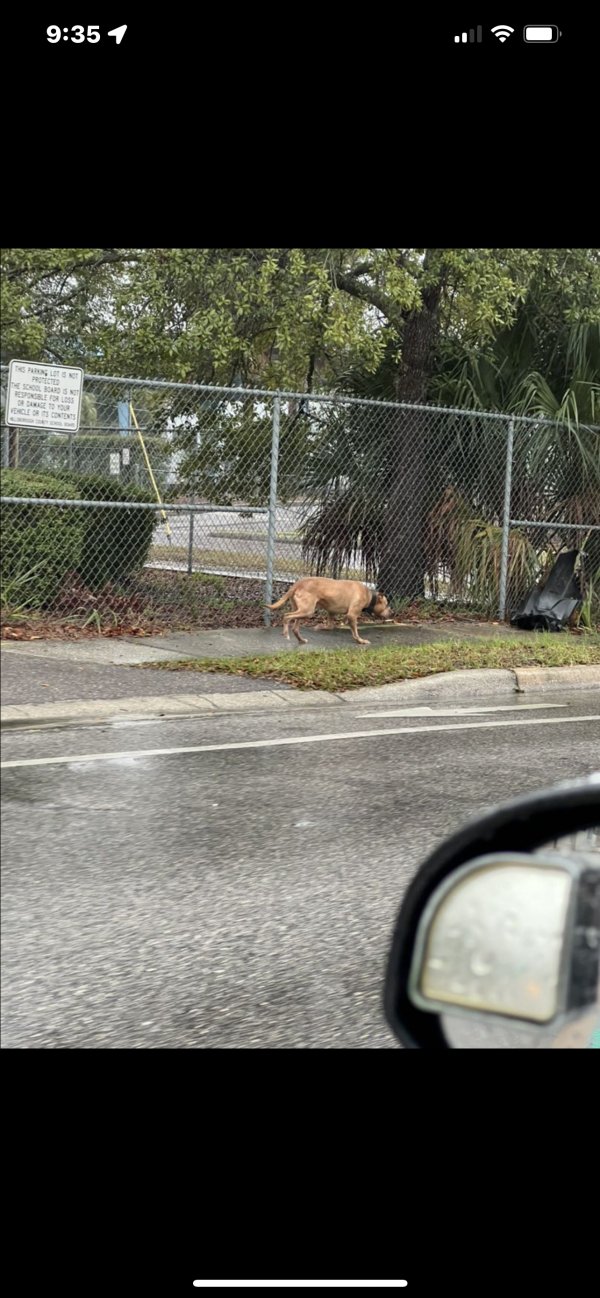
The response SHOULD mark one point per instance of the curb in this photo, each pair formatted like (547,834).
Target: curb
(585,677)
(446,685)
(160,707)
(470,683)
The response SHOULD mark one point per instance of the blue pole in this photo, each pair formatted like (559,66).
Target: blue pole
(123,417)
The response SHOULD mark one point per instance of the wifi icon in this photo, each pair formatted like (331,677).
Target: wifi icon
(502,32)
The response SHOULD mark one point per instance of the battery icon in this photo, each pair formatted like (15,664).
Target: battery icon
(540,35)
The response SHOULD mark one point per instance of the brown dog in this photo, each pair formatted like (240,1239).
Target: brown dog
(349,597)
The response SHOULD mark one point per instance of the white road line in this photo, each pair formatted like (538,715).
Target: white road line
(460,712)
(298,739)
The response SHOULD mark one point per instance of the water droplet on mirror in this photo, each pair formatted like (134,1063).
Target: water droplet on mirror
(480,965)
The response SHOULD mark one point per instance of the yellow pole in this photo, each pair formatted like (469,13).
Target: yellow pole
(149,468)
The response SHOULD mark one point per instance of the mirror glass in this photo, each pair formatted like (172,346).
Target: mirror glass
(464,1033)
(495,941)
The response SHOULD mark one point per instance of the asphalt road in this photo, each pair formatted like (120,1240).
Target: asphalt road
(240,897)
(32,679)
(212,531)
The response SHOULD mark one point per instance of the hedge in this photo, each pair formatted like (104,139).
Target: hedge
(116,541)
(37,546)
(40,546)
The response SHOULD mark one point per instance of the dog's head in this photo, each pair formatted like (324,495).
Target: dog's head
(381,608)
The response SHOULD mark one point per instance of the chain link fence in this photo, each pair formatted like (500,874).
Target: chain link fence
(181,505)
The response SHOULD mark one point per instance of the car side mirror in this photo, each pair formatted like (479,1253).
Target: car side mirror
(501,926)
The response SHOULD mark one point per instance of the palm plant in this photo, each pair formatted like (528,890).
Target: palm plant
(551,375)
(344,491)
(556,466)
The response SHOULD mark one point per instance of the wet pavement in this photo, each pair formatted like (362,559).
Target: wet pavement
(241,897)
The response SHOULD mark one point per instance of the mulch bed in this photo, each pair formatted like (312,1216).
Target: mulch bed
(160,601)
(156,602)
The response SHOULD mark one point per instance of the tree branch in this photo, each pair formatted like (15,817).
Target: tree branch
(111,257)
(368,293)
(362,268)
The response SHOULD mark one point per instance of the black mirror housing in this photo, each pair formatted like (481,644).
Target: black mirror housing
(522,826)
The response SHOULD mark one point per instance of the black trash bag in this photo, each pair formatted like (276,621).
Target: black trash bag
(549,607)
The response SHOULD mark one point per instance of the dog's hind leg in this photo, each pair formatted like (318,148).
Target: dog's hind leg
(296,630)
(291,619)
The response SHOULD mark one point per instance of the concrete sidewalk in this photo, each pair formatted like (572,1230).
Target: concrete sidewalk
(248,642)
(51,682)
(53,671)
(42,672)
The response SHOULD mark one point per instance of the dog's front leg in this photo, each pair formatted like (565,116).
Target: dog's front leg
(353,624)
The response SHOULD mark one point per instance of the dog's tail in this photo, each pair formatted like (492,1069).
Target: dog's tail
(284,598)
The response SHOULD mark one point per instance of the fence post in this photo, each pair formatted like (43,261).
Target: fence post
(5,447)
(272,528)
(190,566)
(13,448)
(70,450)
(506,520)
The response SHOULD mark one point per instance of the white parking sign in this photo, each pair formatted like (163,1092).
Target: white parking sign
(44,396)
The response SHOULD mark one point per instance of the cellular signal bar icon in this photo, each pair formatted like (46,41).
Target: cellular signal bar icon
(463,38)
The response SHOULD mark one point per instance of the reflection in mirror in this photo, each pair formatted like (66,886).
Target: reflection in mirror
(585,844)
(464,1033)
(495,940)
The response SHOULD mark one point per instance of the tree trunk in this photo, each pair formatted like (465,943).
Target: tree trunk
(402,570)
